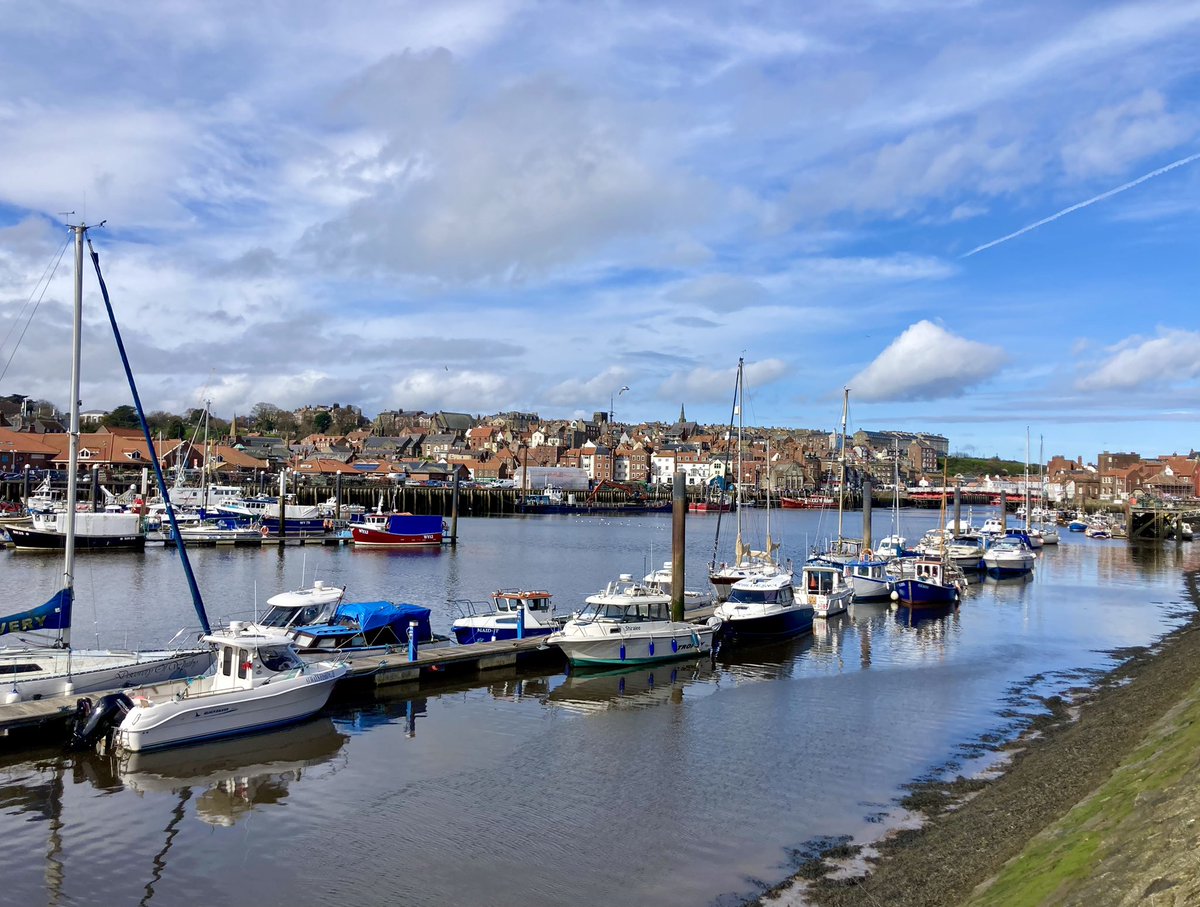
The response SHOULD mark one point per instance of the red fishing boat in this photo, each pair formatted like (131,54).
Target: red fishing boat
(397,530)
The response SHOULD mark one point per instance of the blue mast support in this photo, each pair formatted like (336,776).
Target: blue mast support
(197,601)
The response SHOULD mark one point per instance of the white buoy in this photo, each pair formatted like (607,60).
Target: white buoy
(895,596)
(12,696)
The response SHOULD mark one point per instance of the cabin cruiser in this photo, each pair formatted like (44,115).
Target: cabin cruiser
(628,623)
(259,682)
(504,620)
(357,629)
(1009,556)
(868,577)
(824,587)
(761,609)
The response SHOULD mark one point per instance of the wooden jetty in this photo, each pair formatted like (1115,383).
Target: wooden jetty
(1155,523)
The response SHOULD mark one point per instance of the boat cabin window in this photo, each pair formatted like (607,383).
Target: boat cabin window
(19,669)
(277,658)
(755,596)
(819,582)
(227,661)
(243,666)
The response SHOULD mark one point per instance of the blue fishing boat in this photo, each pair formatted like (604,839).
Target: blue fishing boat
(927,581)
(513,613)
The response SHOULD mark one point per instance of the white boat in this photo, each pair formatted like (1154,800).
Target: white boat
(1008,556)
(763,609)
(259,682)
(1049,534)
(965,552)
(629,624)
(43,663)
(824,587)
(661,580)
(296,608)
(992,527)
(841,550)
(513,613)
(868,577)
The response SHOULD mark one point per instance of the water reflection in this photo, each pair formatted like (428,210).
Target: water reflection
(233,776)
(627,688)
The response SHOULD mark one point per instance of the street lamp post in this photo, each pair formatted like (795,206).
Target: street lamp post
(612,415)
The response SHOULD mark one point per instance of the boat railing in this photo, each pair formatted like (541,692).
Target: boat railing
(465,607)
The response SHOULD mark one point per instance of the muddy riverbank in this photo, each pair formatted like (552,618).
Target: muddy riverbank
(975,827)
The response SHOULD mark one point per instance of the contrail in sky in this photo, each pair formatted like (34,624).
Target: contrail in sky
(1091,201)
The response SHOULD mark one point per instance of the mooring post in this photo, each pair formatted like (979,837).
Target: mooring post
(412,640)
(454,516)
(867,502)
(521,622)
(337,496)
(679,506)
(957,506)
(282,501)
(1003,510)
(95,487)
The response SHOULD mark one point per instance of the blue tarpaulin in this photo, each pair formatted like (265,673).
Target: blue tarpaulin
(371,616)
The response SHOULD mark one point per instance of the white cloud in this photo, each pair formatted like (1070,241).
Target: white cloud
(597,390)
(463,391)
(1171,357)
(708,385)
(718,292)
(1116,136)
(927,362)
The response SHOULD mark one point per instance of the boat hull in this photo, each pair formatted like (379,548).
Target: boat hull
(915,593)
(92,672)
(364,537)
(466,636)
(635,648)
(24,537)
(763,628)
(187,721)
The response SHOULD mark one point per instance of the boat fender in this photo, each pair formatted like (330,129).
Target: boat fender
(94,722)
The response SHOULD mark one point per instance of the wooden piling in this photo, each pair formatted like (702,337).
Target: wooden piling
(454,513)
(867,502)
(679,507)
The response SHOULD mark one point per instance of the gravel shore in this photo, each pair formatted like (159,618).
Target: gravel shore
(1118,756)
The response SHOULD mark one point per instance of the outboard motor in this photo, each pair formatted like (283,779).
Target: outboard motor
(95,723)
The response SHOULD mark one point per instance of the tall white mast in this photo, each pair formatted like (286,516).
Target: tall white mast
(73,434)
(1028,503)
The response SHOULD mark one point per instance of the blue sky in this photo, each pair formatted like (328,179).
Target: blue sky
(510,205)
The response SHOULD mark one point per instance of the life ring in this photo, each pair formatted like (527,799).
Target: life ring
(264,531)
(868,555)
(328,524)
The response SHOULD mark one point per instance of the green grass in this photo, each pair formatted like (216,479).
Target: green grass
(1072,849)
(975,466)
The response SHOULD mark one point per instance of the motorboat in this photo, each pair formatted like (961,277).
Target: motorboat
(358,629)
(1009,556)
(1079,524)
(868,577)
(927,580)
(892,546)
(1049,534)
(397,530)
(763,609)
(965,552)
(628,623)
(513,613)
(298,607)
(992,527)
(259,682)
(824,587)
(1098,531)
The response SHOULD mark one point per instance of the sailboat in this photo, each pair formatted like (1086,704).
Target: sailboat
(842,550)
(747,562)
(44,662)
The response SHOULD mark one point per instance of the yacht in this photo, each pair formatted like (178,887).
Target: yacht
(1008,556)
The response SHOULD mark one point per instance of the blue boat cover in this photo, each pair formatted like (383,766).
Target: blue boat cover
(371,616)
(407,524)
(54,615)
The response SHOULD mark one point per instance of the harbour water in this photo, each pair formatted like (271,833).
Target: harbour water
(690,784)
